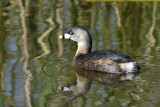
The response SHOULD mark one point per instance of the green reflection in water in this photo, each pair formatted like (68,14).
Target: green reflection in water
(126,26)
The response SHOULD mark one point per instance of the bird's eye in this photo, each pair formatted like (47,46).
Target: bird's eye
(72,33)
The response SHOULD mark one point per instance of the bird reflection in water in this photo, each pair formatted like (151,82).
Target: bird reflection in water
(85,78)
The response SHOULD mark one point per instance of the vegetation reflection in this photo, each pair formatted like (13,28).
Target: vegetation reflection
(34,62)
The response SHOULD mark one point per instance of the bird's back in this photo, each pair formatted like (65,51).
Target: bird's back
(106,61)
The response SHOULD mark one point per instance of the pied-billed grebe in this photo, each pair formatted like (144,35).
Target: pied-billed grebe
(110,61)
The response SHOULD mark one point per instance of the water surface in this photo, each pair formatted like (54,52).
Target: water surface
(35,64)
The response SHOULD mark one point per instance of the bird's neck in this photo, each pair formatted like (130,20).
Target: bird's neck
(83,48)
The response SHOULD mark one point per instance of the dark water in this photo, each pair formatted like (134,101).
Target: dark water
(35,64)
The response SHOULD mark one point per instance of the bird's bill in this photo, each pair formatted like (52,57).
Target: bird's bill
(65,36)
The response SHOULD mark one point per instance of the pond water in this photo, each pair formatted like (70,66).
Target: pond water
(35,65)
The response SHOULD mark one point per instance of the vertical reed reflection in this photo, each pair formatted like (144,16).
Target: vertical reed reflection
(24,46)
(2,88)
(6,96)
(61,25)
(117,14)
(94,17)
(73,11)
(2,35)
(103,26)
(2,51)
(43,39)
(149,35)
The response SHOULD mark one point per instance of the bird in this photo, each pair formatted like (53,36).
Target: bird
(109,61)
